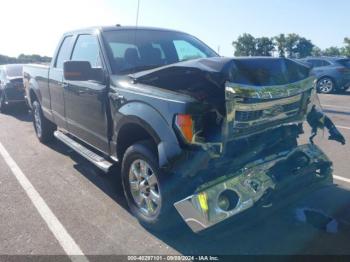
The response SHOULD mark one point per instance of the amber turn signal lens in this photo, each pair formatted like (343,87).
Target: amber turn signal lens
(185,124)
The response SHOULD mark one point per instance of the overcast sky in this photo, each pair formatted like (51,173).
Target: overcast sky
(35,26)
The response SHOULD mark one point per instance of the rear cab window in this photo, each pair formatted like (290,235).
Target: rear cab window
(64,52)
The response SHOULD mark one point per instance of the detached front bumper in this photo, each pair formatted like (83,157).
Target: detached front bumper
(258,182)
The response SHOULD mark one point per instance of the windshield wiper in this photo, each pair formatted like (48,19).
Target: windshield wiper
(139,68)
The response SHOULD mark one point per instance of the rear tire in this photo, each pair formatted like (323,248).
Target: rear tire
(44,129)
(145,188)
(325,85)
(3,106)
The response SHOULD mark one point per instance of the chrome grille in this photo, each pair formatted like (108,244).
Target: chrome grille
(251,117)
(267,110)
(244,116)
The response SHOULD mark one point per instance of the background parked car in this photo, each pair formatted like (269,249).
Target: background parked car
(333,73)
(11,86)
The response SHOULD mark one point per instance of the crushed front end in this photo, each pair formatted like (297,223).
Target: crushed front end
(241,137)
(261,127)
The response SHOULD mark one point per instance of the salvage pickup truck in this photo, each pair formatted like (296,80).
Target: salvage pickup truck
(194,134)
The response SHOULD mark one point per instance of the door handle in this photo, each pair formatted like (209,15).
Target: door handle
(116,97)
(65,85)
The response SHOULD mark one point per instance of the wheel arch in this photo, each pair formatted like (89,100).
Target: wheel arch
(144,121)
(34,92)
(131,132)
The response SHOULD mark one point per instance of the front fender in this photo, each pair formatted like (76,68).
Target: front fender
(152,121)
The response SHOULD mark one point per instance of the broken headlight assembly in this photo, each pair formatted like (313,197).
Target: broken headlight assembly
(191,129)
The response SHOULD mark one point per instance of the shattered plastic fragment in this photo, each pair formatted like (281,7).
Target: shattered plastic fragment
(317,219)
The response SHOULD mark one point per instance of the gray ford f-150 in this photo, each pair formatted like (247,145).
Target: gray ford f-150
(195,134)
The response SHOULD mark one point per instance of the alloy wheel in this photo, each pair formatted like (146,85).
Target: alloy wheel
(37,121)
(325,85)
(144,188)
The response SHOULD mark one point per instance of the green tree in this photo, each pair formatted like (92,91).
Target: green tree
(303,47)
(332,51)
(23,59)
(316,51)
(346,48)
(291,45)
(264,46)
(245,45)
(280,43)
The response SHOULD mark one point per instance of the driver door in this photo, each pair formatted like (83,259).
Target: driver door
(86,101)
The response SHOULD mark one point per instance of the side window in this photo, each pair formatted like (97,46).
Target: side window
(186,51)
(87,49)
(325,63)
(316,62)
(64,52)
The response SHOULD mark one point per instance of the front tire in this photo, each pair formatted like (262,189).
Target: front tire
(44,129)
(145,188)
(325,85)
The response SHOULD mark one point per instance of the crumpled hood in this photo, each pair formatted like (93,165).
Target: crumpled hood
(202,78)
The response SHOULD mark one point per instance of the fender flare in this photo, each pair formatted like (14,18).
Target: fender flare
(151,120)
(33,86)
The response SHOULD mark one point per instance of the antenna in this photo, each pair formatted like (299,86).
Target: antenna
(137,13)
(137,22)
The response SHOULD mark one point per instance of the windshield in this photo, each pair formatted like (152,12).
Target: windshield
(14,71)
(137,50)
(344,62)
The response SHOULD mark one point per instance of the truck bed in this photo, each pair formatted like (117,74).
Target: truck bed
(37,76)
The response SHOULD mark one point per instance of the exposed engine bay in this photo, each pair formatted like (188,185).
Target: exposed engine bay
(243,96)
(255,113)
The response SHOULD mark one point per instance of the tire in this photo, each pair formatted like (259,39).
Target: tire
(44,129)
(3,106)
(141,158)
(325,85)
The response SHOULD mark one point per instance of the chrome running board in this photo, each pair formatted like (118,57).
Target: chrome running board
(94,158)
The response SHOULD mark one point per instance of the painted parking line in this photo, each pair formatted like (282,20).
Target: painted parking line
(333,106)
(343,127)
(347,180)
(65,240)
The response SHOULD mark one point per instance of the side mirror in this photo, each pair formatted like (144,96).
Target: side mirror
(82,71)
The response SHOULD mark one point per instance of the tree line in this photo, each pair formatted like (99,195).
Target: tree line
(24,59)
(290,45)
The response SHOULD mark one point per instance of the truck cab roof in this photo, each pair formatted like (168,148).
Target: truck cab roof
(117,27)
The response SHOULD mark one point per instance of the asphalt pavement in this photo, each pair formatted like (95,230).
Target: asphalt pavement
(53,202)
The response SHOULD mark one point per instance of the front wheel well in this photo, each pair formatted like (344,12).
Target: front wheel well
(32,97)
(130,134)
